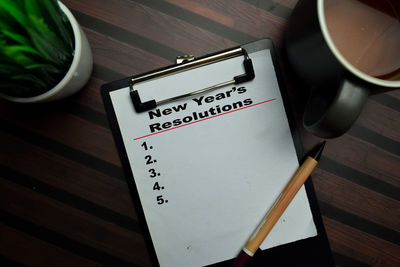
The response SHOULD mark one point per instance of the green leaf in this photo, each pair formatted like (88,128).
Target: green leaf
(12,88)
(14,10)
(27,77)
(5,20)
(15,49)
(32,7)
(18,57)
(36,46)
(19,90)
(47,73)
(58,21)
(16,37)
(18,54)
(46,67)
(7,70)
(47,43)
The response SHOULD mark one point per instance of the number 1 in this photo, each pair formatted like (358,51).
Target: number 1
(144,145)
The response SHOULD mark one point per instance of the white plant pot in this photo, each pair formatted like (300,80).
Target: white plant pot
(77,75)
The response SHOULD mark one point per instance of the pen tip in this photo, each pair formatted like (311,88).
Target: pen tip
(317,151)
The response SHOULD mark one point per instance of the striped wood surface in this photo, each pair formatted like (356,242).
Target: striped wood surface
(64,200)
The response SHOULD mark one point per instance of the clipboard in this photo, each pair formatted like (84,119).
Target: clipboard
(206,146)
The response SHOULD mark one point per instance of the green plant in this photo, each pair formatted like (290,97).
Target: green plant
(36,46)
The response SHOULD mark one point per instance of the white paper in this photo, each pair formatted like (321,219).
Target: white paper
(217,177)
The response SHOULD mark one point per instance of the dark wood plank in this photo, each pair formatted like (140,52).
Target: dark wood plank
(153,25)
(64,128)
(122,57)
(357,200)
(359,246)
(73,224)
(394,93)
(67,175)
(89,96)
(287,3)
(31,251)
(361,156)
(380,119)
(239,15)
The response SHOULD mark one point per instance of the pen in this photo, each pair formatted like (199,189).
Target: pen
(279,207)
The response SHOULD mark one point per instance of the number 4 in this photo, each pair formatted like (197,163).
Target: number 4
(156,186)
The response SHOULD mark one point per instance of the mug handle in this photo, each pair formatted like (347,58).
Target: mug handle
(331,113)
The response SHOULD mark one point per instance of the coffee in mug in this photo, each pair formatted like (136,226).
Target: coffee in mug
(342,51)
(367,34)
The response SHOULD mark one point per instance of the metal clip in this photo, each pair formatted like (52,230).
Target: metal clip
(184,58)
(186,63)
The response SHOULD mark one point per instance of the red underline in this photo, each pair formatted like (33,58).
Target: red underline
(173,128)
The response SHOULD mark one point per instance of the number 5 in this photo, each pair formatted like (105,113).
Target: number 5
(160,200)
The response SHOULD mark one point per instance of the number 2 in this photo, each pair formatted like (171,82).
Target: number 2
(149,160)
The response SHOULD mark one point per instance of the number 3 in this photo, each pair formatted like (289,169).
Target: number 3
(152,173)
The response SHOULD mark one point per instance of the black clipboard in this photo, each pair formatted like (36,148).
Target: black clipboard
(312,251)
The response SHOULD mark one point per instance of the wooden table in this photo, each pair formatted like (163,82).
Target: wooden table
(64,199)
